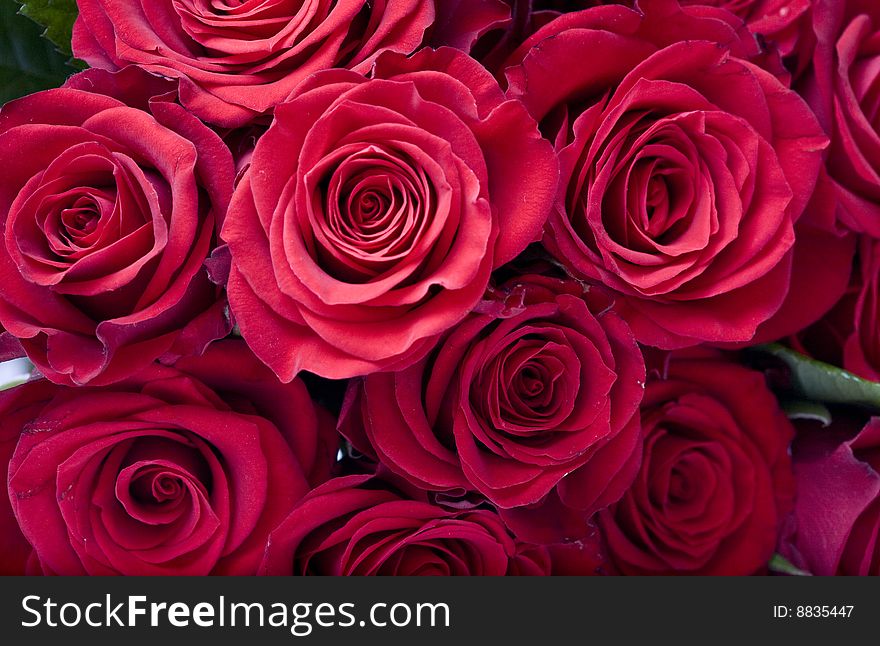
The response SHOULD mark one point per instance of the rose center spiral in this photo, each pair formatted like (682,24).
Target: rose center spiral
(154,486)
(375,213)
(81,217)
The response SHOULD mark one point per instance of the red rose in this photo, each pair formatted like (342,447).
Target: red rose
(108,213)
(374,211)
(841,88)
(715,482)
(684,167)
(180,470)
(356,525)
(530,401)
(237,61)
(837,511)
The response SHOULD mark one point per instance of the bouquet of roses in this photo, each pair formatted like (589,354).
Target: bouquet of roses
(441,287)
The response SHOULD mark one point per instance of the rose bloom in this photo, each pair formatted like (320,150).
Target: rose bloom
(837,511)
(685,169)
(531,401)
(358,525)
(374,211)
(108,213)
(181,470)
(842,88)
(237,60)
(715,483)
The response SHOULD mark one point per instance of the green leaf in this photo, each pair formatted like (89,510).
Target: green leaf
(818,381)
(782,565)
(28,62)
(57,18)
(813,411)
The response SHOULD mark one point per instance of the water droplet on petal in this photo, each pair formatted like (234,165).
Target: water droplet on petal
(40,426)
(64,494)
(29,493)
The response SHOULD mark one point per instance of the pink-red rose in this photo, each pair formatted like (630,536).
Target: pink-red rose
(531,401)
(238,59)
(357,525)
(108,213)
(374,211)
(182,470)
(715,483)
(685,167)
